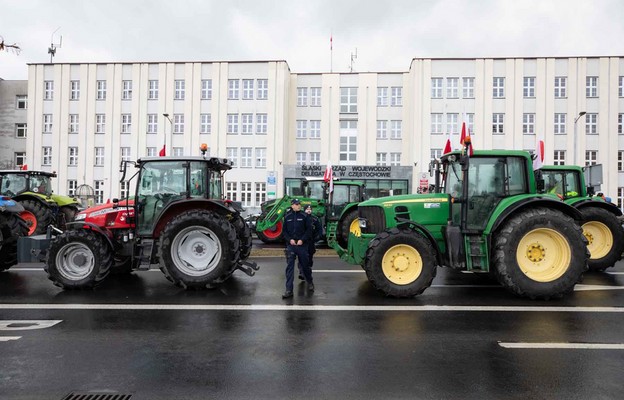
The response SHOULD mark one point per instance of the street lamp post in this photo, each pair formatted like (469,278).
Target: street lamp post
(163,151)
(576,135)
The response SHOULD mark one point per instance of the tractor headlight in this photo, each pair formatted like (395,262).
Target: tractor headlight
(80,216)
(362,223)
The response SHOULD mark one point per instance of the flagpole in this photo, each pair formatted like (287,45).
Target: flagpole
(331,52)
(164,149)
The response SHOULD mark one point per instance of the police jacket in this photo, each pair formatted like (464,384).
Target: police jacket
(297,226)
(317,228)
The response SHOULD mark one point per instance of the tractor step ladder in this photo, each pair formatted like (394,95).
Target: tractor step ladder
(476,252)
(144,254)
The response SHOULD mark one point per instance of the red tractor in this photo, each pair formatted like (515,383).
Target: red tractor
(178,219)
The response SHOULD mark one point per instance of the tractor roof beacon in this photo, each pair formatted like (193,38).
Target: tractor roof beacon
(178,219)
(486,216)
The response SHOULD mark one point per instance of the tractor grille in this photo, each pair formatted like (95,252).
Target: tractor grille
(375,219)
(96,396)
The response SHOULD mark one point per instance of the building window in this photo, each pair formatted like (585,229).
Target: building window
(591,157)
(246,194)
(125,153)
(560,124)
(231,189)
(302,127)
(21,130)
(150,152)
(348,100)
(73,123)
(452,88)
(100,123)
(559,157)
(348,142)
(395,129)
(560,87)
(231,153)
(20,158)
(260,157)
(72,159)
(179,89)
(74,90)
(72,185)
(152,91)
(528,86)
(382,96)
(395,159)
(205,123)
(126,90)
(232,127)
(591,89)
(99,191)
(315,129)
(300,157)
(152,123)
(124,187)
(468,88)
(47,123)
(260,193)
(528,124)
(620,162)
(620,127)
(261,124)
(233,88)
(246,158)
(397,97)
(381,159)
(302,97)
(382,129)
(315,97)
(620,197)
(263,89)
(498,124)
(126,123)
(248,89)
(46,153)
(100,90)
(177,151)
(436,154)
(178,123)
(591,124)
(206,89)
(315,158)
(452,123)
(247,124)
(48,90)
(498,87)
(470,124)
(621,86)
(436,123)
(436,88)
(99,157)
(21,102)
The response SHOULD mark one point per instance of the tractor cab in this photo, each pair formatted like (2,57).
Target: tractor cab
(14,183)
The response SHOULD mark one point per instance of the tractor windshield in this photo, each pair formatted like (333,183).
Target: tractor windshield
(40,184)
(562,183)
(14,184)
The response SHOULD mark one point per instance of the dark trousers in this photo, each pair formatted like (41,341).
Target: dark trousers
(311,251)
(300,253)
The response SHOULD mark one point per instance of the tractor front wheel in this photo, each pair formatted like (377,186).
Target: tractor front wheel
(12,226)
(272,234)
(349,224)
(400,263)
(605,238)
(37,215)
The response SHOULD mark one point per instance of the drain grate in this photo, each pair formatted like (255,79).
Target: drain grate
(96,396)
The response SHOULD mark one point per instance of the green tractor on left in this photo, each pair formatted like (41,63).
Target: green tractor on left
(33,190)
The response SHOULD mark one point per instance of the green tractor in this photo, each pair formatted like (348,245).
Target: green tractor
(33,189)
(337,210)
(487,216)
(601,225)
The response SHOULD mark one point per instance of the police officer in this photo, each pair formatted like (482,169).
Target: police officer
(317,234)
(297,233)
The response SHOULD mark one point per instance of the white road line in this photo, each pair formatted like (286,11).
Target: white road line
(547,345)
(615,273)
(7,338)
(296,307)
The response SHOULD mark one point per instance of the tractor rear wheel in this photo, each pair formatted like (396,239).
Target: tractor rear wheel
(37,215)
(197,248)
(540,253)
(12,226)
(349,224)
(78,259)
(605,237)
(272,234)
(400,263)
(244,235)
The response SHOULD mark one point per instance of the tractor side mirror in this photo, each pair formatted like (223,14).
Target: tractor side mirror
(540,185)
(591,191)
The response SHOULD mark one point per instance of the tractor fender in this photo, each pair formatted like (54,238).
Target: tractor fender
(422,230)
(182,206)
(92,227)
(531,202)
(39,198)
(612,208)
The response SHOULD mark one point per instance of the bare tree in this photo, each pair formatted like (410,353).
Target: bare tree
(9,47)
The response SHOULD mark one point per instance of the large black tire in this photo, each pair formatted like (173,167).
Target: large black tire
(78,259)
(197,248)
(347,224)
(539,253)
(400,263)
(244,235)
(605,237)
(43,215)
(122,265)
(69,213)
(274,234)
(12,226)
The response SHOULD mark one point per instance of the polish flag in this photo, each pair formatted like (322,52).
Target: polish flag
(447,148)
(463,134)
(329,176)
(163,152)
(538,161)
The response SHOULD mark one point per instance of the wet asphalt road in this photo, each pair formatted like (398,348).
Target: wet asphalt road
(465,337)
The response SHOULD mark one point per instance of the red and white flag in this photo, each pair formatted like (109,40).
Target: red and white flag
(163,151)
(329,176)
(538,161)
(463,134)
(448,148)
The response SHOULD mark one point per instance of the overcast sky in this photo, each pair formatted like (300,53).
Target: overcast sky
(386,33)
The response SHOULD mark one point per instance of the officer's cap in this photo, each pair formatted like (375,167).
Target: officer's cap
(295,201)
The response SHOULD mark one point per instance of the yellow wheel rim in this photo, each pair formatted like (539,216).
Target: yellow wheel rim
(355,227)
(599,239)
(543,255)
(402,264)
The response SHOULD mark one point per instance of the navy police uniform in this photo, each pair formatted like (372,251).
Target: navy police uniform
(297,226)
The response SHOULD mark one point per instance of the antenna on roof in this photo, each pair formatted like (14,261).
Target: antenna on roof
(353,57)
(53,47)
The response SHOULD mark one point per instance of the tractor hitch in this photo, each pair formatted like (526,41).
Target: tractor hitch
(249,267)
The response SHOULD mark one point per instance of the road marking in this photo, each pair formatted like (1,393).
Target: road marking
(7,338)
(547,345)
(23,324)
(615,273)
(297,307)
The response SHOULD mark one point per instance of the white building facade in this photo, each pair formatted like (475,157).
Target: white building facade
(83,119)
